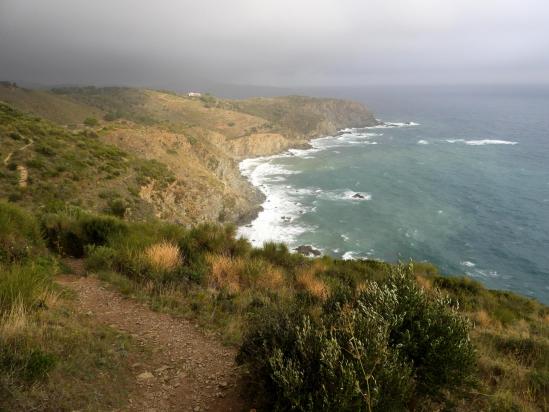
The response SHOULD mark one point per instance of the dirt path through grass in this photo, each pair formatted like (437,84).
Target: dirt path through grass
(23,175)
(187,371)
(23,172)
(7,158)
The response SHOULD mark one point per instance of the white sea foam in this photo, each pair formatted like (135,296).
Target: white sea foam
(481,142)
(392,125)
(482,273)
(468,264)
(422,142)
(279,219)
(488,141)
(351,255)
(487,273)
(276,221)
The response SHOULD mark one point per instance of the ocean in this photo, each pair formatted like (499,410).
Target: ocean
(457,176)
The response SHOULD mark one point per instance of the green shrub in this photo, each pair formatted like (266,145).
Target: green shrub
(15,197)
(529,351)
(459,285)
(118,207)
(28,364)
(24,284)
(130,262)
(99,257)
(382,350)
(45,150)
(20,236)
(212,238)
(63,234)
(111,116)
(278,254)
(91,121)
(15,136)
(68,232)
(539,383)
(503,402)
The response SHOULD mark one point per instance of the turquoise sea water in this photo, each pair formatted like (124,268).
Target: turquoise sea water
(467,188)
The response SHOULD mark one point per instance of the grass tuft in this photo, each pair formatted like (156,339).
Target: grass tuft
(163,256)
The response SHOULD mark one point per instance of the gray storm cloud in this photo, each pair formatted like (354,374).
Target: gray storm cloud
(167,43)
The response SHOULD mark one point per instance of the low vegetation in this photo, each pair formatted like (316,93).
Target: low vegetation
(314,334)
(71,168)
(51,356)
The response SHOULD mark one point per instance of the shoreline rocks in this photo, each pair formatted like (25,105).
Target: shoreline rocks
(308,250)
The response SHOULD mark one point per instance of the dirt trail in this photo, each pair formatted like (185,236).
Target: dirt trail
(23,175)
(188,370)
(23,171)
(7,158)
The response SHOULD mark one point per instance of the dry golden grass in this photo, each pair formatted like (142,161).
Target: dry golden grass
(483,319)
(15,322)
(424,283)
(271,278)
(163,256)
(308,280)
(362,287)
(236,274)
(225,273)
(51,299)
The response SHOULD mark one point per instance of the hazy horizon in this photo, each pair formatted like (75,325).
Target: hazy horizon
(183,44)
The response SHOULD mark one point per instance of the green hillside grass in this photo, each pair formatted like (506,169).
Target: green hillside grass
(50,106)
(70,167)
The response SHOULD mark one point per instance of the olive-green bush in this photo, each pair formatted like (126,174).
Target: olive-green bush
(383,348)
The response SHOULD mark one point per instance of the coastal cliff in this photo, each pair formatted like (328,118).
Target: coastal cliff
(198,140)
(144,159)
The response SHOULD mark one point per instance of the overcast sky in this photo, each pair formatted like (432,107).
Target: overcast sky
(169,43)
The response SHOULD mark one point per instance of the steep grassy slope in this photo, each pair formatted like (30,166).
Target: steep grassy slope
(46,166)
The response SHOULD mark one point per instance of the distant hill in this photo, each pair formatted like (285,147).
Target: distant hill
(197,141)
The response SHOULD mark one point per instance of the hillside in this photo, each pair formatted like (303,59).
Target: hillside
(45,166)
(199,140)
(307,334)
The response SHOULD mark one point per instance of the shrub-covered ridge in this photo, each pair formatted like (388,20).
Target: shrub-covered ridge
(324,334)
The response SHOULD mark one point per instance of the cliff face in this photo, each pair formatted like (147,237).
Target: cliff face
(200,140)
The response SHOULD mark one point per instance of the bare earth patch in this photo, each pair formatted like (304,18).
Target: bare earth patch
(188,371)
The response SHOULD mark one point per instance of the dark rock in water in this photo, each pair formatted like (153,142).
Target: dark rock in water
(358,196)
(307,250)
